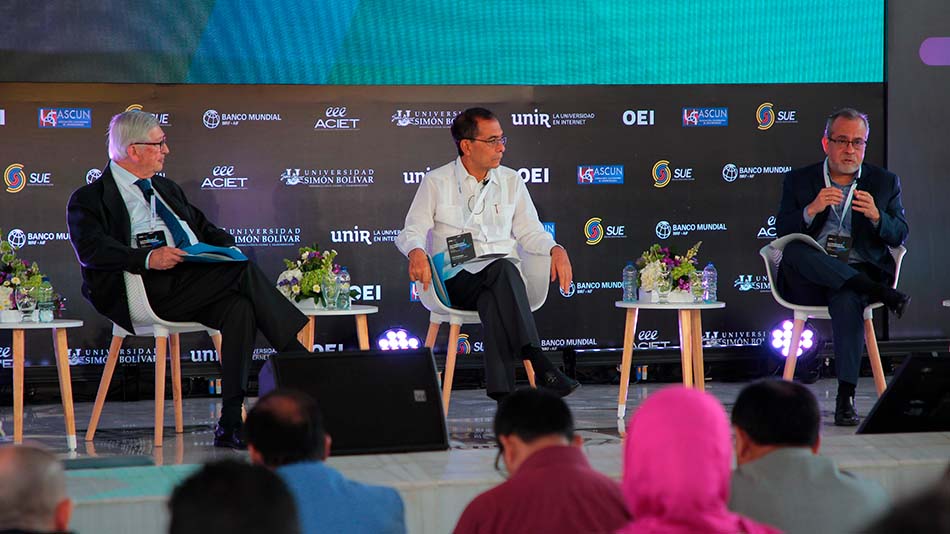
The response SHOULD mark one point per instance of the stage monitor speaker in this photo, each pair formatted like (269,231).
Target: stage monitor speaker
(371,401)
(917,399)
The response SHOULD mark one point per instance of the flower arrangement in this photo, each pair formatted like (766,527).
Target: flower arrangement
(18,273)
(651,261)
(306,274)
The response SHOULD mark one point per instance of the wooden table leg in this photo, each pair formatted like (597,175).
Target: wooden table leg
(362,331)
(305,336)
(61,348)
(629,330)
(686,348)
(18,363)
(696,339)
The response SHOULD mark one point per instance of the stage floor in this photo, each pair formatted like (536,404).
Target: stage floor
(435,486)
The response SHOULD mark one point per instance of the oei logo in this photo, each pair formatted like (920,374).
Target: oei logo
(664,229)
(211,119)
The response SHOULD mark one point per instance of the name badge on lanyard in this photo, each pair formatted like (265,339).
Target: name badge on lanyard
(838,245)
(462,246)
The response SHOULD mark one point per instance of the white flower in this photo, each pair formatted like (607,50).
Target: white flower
(304,255)
(288,276)
(649,276)
(5,293)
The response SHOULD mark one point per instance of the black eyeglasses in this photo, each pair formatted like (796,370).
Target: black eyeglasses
(493,142)
(858,144)
(161,143)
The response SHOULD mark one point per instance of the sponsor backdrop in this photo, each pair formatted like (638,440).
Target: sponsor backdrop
(612,170)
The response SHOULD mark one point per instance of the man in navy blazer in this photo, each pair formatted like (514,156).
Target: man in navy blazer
(854,210)
(113,228)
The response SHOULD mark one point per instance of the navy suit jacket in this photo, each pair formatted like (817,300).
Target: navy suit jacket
(100,231)
(800,188)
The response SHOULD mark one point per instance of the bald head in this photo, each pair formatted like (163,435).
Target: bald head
(285,427)
(32,490)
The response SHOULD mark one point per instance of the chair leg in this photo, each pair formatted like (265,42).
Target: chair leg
(432,334)
(111,360)
(216,340)
(450,366)
(176,381)
(161,348)
(875,356)
(797,326)
(529,370)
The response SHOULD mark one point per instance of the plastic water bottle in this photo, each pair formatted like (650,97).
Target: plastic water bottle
(343,283)
(44,301)
(630,282)
(710,281)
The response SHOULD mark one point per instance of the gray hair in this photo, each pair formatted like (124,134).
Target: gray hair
(850,114)
(126,128)
(32,484)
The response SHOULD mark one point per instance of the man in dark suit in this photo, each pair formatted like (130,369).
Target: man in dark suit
(134,220)
(854,210)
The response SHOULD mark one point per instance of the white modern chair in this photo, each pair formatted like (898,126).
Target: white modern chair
(536,272)
(146,323)
(772,255)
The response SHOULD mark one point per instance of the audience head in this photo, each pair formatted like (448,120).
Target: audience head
(126,128)
(677,466)
(774,413)
(529,420)
(32,490)
(285,427)
(465,125)
(233,497)
(925,513)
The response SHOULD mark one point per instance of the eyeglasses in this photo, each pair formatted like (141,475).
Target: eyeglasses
(161,143)
(858,144)
(493,142)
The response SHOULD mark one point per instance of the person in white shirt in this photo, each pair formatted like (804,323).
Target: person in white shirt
(476,195)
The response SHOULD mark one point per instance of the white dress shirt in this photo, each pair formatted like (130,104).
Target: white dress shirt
(446,204)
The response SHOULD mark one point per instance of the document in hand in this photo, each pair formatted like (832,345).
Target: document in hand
(205,253)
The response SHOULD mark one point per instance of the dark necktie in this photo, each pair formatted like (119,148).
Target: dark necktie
(178,233)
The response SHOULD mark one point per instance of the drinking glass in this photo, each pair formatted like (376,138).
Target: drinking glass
(696,285)
(330,291)
(25,302)
(664,285)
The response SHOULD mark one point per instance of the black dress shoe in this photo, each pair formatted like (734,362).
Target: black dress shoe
(229,438)
(845,414)
(557,382)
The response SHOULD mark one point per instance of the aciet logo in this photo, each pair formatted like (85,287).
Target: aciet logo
(15,178)
(768,231)
(335,119)
(222,177)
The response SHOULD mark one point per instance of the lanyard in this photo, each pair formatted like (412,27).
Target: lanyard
(479,200)
(152,214)
(850,197)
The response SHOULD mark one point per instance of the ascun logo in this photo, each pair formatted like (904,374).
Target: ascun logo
(16,178)
(424,118)
(92,175)
(534,175)
(595,231)
(548,120)
(663,174)
(665,229)
(600,174)
(766,116)
(367,237)
(212,119)
(334,118)
(705,117)
(263,236)
(328,178)
(752,282)
(732,172)
(164,119)
(549,227)
(223,178)
(413,292)
(65,118)
(768,231)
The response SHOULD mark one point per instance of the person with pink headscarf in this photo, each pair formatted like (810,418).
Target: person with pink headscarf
(677,464)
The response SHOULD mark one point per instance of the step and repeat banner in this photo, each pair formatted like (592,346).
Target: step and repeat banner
(611,169)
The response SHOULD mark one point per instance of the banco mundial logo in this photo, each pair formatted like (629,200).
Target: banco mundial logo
(17,238)
(664,229)
(211,119)
(92,175)
(570,291)
(730,172)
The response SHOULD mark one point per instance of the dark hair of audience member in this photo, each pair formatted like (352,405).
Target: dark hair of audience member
(927,512)
(465,124)
(285,427)
(531,414)
(233,497)
(778,412)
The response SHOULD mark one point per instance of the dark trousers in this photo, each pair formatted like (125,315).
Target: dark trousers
(235,298)
(809,277)
(498,293)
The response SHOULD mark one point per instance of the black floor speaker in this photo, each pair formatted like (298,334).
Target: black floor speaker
(371,401)
(917,399)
